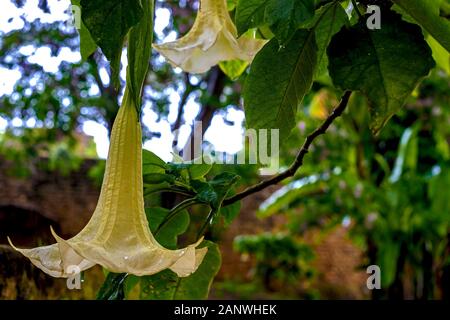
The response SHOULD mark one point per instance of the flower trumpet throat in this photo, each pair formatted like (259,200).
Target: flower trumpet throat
(212,39)
(118,236)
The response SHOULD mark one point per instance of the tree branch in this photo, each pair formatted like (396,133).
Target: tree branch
(215,86)
(298,162)
(183,100)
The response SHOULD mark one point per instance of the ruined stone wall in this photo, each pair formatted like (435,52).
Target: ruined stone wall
(65,201)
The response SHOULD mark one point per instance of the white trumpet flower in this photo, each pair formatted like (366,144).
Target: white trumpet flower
(212,39)
(117,236)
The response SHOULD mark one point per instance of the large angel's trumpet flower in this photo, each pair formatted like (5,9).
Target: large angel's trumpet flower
(212,39)
(117,237)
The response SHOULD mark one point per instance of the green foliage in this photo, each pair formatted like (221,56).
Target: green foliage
(381,63)
(407,154)
(113,287)
(440,55)
(166,231)
(167,286)
(299,189)
(279,79)
(427,14)
(233,69)
(188,178)
(282,16)
(87,44)
(278,256)
(230,212)
(101,19)
(285,16)
(390,186)
(250,14)
(398,212)
(329,19)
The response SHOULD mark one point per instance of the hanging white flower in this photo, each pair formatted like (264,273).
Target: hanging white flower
(212,39)
(118,236)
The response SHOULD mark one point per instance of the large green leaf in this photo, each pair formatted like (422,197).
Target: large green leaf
(151,163)
(440,55)
(427,14)
(167,234)
(140,50)
(330,19)
(386,64)
(87,44)
(249,14)
(279,79)
(166,285)
(285,16)
(109,22)
(113,287)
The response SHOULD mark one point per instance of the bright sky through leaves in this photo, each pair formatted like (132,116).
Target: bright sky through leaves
(224,137)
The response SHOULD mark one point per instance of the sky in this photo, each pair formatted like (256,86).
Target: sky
(224,137)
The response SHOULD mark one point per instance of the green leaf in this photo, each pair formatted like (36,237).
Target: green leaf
(109,22)
(388,255)
(157,178)
(440,55)
(282,16)
(439,198)
(285,16)
(150,158)
(151,163)
(113,287)
(231,4)
(130,283)
(205,192)
(279,79)
(386,64)
(87,44)
(168,234)
(222,184)
(166,285)
(330,19)
(154,188)
(233,68)
(139,51)
(230,212)
(408,153)
(427,15)
(282,199)
(249,14)
(197,171)
(194,169)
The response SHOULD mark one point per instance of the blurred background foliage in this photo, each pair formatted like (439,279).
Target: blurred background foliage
(390,191)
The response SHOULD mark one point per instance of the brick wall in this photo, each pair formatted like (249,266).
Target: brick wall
(65,201)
